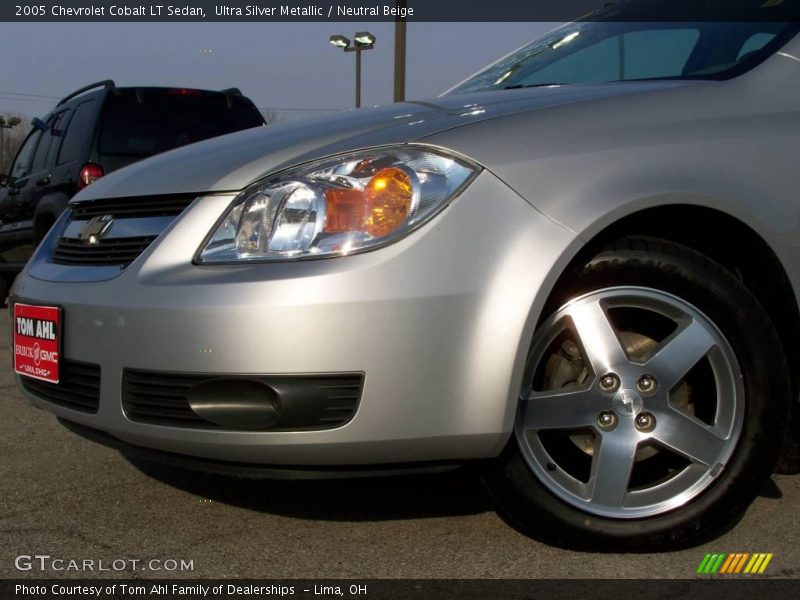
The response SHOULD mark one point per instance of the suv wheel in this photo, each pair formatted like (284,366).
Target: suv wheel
(653,408)
(41,227)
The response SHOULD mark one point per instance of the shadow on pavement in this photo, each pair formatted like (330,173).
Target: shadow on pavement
(446,494)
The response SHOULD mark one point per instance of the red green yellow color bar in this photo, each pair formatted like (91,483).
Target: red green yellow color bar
(736,562)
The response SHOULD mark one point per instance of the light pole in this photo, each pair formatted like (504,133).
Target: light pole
(400,54)
(5,124)
(363,40)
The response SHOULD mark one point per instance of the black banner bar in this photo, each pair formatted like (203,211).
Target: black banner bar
(718,588)
(390,10)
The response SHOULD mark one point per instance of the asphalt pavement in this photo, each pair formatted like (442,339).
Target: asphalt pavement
(66,497)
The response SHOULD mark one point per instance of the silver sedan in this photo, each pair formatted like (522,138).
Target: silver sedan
(579,268)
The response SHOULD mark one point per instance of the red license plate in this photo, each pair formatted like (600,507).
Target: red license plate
(37,341)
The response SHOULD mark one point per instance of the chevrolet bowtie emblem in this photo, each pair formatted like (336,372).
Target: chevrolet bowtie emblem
(95,229)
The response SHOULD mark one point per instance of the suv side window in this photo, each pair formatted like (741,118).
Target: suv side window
(77,130)
(21,167)
(43,148)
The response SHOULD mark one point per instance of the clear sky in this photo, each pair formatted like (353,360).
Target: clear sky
(283,66)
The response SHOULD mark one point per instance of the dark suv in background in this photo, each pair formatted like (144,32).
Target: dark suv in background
(92,132)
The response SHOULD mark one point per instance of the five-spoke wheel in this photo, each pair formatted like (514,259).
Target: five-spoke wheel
(653,405)
(652,376)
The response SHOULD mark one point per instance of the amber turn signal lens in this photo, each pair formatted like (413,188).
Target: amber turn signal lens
(389,195)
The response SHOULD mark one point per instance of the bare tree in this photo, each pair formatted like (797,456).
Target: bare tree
(11,139)
(269,114)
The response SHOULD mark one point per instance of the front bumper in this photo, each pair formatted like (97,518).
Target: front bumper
(439,324)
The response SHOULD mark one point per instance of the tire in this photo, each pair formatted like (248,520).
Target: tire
(671,460)
(41,227)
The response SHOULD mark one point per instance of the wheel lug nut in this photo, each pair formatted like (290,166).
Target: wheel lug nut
(609,382)
(607,420)
(646,384)
(645,422)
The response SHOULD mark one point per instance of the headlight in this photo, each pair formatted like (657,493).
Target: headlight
(337,206)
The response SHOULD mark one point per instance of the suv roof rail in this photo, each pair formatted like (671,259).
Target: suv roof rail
(106,83)
(232,91)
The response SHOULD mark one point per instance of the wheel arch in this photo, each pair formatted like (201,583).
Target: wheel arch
(735,245)
(48,209)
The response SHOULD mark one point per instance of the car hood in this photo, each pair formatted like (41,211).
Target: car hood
(232,162)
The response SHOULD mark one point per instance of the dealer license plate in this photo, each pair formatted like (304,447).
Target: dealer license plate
(37,341)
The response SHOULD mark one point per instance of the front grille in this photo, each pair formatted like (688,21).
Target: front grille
(146,213)
(306,402)
(78,387)
(108,252)
(129,208)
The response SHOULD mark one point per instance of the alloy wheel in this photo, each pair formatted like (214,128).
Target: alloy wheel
(634,404)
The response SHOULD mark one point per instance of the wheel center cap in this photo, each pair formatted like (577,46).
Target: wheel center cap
(627,402)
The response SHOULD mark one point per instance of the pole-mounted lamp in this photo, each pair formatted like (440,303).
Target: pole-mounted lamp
(363,40)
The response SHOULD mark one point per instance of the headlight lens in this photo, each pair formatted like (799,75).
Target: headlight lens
(337,206)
